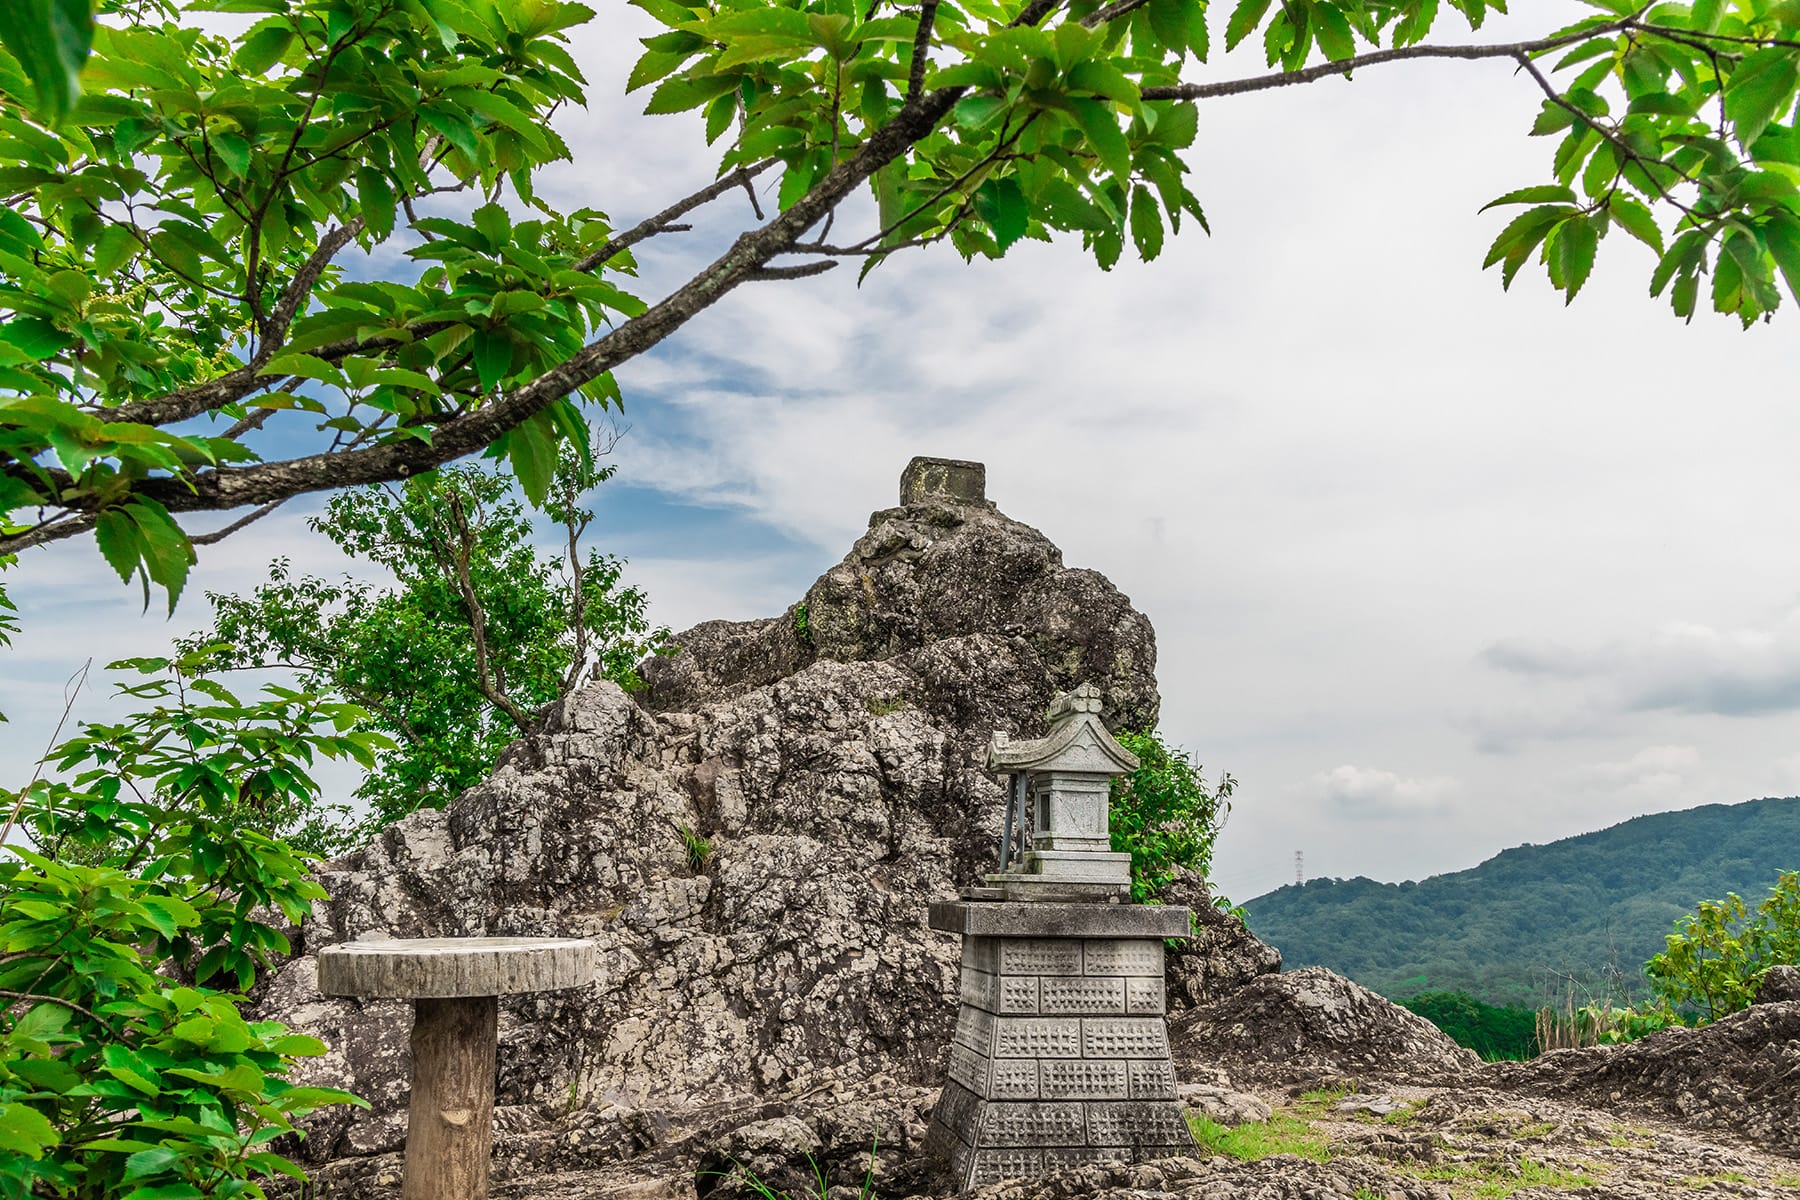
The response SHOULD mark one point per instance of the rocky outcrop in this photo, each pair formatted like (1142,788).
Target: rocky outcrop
(752,840)
(1222,955)
(1310,1025)
(1779,985)
(1740,1074)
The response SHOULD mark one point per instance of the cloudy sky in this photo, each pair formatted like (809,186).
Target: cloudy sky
(1434,569)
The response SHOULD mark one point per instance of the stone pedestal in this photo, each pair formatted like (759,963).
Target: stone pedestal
(1061,1054)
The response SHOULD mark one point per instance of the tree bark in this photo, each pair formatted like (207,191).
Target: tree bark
(450,1129)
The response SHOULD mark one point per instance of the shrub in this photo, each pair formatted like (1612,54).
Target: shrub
(1165,814)
(155,872)
(1718,953)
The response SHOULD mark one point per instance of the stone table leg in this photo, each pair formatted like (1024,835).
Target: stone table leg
(449,1135)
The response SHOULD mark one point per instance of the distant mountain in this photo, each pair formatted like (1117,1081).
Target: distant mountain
(1523,924)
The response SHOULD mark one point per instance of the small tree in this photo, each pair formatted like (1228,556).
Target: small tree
(1718,953)
(477,631)
(1165,814)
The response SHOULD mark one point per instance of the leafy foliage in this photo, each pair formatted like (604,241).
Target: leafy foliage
(122,1074)
(1717,954)
(1496,1033)
(168,253)
(1519,927)
(476,632)
(1165,814)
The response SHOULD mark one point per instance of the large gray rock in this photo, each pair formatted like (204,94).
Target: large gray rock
(1221,956)
(1311,1024)
(1779,985)
(751,841)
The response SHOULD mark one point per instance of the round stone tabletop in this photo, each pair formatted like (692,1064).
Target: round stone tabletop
(442,968)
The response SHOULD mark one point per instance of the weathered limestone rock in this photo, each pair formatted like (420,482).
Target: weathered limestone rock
(1779,985)
(752,841)
(1311,1023)
(1740,1074)
(1220,957)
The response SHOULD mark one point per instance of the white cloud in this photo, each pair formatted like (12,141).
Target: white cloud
(1653,770)
(1362,793)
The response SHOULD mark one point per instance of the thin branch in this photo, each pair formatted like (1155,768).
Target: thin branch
(921,55)
(71,690)
(219,535)
(465,584)
(89,1013)
(662,221)
(1112,11)
(1263,83)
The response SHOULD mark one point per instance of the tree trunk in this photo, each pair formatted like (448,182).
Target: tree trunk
(450,1129)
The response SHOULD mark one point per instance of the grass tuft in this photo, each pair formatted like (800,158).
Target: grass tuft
(1280,1134)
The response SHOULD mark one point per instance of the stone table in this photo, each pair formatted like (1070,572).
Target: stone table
(455,985)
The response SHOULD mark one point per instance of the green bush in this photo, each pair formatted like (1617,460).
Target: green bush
(155,872)
(1718,953)
(1494,1032)
(1165,814)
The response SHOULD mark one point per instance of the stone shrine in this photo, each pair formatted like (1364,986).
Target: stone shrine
(1061,1050)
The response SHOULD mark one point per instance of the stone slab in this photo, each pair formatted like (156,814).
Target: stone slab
(1124,1037)
(1137,1123)
(446,968)
(1041,1123)
(955,480)
(1118,956)
(1047,919)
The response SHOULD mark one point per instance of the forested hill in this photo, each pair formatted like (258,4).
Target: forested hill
(1594,907)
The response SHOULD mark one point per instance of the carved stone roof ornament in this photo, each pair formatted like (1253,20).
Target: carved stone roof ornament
(1057,844)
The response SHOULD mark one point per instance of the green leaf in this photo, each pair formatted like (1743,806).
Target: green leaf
(1636,219)
(117,535)
(1102,129)
(1333,31)
(493,357)
(51,39)
(375,196)
(1146,223)
(1244,20)
(1546,194)
(264,48)
(1576,240)
(25,1131)
(679,95)
(36,338)
(1002,205)
(531,448)
(1760,89)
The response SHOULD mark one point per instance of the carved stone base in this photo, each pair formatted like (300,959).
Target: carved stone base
(1061,1052)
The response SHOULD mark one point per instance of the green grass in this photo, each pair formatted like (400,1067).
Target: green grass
(1494,1180)
(1704,1181)
(1786,1181)
(1280,1134)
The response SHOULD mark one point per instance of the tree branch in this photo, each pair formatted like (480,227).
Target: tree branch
(660,223)
(1263,83)
(921,55)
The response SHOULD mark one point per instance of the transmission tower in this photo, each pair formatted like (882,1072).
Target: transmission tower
(1299,867)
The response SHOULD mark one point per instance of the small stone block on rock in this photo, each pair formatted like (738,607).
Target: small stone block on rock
(954,480)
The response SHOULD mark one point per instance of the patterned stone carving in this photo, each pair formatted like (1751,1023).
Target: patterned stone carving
(1043,956)
(1151,1079)
(1000,993)
(1039,1124)
(1061,1052)
(991,1166)
(1124,956)
(969,1069)
(1083,1079)
(1056,1160)
(1124,1037)
(1135,1123)
(1014,1079)
(1084,994)
(1037,1037)
(975,1029)
(1145,995)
